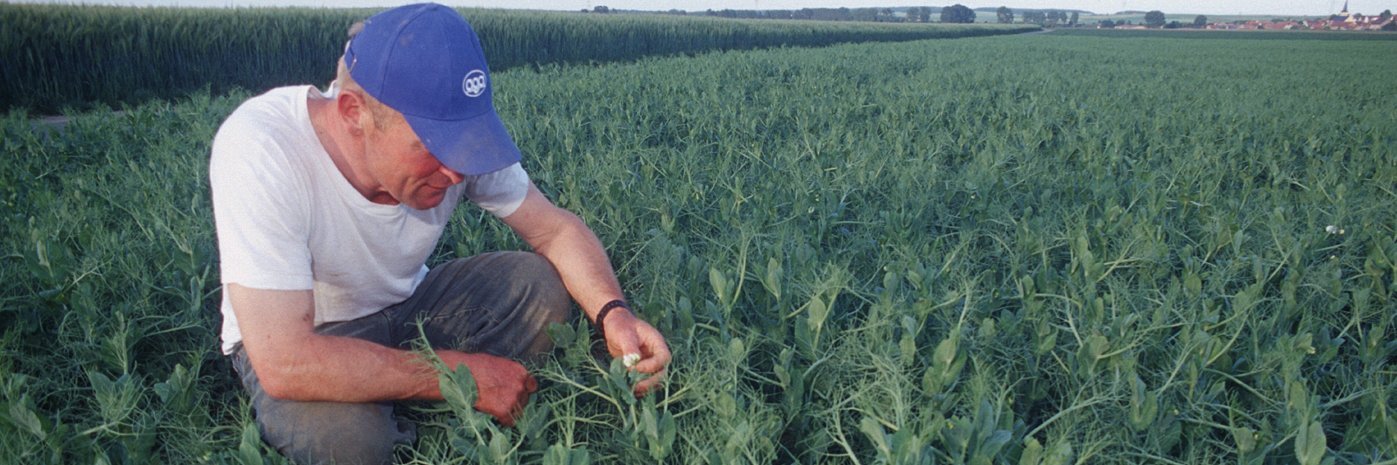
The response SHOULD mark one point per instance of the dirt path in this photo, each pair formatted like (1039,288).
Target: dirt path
(51,122)
(57,122)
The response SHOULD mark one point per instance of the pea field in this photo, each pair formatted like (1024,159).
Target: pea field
(1033,249)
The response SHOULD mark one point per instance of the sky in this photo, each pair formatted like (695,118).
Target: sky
(1221,7)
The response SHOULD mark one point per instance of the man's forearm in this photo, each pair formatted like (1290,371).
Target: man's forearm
(293,362)
(583,265)
(344,369)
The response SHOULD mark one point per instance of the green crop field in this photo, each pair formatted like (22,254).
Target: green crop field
(1009,250)
(61,56)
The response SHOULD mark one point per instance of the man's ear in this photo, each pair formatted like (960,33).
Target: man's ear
(353,111)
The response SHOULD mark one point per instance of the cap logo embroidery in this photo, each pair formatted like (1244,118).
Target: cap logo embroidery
(474,83)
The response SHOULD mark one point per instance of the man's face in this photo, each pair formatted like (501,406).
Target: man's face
(402,166)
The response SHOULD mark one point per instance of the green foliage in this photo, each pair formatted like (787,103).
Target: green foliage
(62,55)
(957,14)
(1154,18)
(1004,15)
(1067,260)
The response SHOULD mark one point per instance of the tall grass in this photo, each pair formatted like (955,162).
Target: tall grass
(56,56)
(1087,251)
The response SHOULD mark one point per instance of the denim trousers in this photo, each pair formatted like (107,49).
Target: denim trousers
(499,303)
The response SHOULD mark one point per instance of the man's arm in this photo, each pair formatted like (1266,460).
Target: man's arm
(293,362)
(562,238)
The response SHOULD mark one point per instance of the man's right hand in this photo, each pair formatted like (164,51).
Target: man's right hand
(502,385)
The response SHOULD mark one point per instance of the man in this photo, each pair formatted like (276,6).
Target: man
(327,206)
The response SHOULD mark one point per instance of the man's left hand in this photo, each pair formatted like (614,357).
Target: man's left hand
(627,335)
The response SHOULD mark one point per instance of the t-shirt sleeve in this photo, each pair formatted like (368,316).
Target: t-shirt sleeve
(500,192)
(260,212)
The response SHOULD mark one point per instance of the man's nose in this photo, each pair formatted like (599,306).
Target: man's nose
(455,177)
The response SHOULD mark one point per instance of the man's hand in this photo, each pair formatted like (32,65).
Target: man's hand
(574,250)
(627,337)
(502,385)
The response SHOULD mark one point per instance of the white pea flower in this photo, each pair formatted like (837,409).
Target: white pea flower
(629,360)
(1331,229)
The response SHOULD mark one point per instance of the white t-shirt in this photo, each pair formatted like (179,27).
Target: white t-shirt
(287,219)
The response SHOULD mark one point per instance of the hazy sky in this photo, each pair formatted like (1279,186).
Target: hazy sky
(1276,7)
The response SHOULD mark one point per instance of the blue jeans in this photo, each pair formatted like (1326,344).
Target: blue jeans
(499,303)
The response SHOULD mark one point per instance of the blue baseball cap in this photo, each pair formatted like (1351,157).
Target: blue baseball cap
(425,62)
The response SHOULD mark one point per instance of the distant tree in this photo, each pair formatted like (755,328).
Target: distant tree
(1386,15)
(919,14)
(1154,18)
(601,9)
(957,14)
(1004,15)
(1200,21)
(1035,17)
(1173,25)
(1073,21)
(1107,24)
(865,14)
(1392,26)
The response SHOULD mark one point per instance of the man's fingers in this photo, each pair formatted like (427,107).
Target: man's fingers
(530,385)
(648,365)
(651,364)
(517,409)
(657,359)
(645,385)
(507,418)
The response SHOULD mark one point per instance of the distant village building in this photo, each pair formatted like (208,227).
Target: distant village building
(1344,21)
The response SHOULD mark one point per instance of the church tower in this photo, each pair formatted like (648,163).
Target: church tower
(1348,17)
(1344,15)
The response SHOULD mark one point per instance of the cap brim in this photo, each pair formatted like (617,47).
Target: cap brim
(472,146)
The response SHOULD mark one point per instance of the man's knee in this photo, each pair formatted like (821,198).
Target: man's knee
(500,303)
(539,280)
(542,298)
